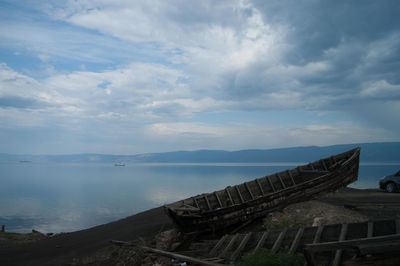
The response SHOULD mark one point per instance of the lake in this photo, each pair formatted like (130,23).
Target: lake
(67,197)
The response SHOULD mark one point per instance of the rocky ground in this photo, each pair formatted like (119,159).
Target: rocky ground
(311,213)
(93,247)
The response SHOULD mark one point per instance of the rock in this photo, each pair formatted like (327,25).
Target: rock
(311,213)
(166,240)
(318,221)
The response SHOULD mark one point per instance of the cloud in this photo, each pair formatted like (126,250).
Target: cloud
(207,45)
(256,48)
(19,102)
(152,67)
(381,90)
(241,136)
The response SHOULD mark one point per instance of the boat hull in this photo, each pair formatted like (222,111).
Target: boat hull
(190,217)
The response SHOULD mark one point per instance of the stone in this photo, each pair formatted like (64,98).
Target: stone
(318,221)
(166,239)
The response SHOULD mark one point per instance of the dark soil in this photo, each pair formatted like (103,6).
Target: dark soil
(63,248)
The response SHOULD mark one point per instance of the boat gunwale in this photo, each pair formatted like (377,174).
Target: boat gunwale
(272,196)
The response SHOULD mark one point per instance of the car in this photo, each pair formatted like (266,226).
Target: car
(390,183)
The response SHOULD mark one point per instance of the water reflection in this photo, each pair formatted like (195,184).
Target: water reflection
(67,197)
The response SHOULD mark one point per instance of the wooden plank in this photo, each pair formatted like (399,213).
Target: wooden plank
(213,252)
(208,203)
(270,183)
(310,255)
(338,254)
(260,187)
(188,208)
(219,201)
(261,242)
(370,230)
(240,194)
(296,241)
(180,257)
(280,179)
(314,171)
(229,196)
(195,202)
(291,177)
(278,241)
(318,234)
(397,226)
(241,246)
(228,247)
(360,242)
(248,189)
(216,259)
(168,254)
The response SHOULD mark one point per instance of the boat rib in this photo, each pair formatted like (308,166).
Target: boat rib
(244,202)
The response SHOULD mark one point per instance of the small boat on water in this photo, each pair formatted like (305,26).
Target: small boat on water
(247,201)
(119,164)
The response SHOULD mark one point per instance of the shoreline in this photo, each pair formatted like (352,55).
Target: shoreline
(61,249)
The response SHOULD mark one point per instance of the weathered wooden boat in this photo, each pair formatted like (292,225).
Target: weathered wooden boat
(250,200)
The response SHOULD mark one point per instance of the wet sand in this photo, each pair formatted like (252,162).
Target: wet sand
(61,249)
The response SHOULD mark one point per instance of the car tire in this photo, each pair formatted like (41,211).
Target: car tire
(391,187)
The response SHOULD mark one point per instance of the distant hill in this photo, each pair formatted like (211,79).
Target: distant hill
(370,152)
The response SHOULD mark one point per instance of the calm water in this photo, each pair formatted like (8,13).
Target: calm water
(67,197)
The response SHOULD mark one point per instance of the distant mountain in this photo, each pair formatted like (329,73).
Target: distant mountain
(370,152)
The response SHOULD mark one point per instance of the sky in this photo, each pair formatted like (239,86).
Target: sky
(128,77)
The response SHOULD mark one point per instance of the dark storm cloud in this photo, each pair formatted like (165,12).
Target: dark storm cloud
(317,26)
(336,50)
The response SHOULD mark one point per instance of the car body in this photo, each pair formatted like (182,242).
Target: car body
(390,183)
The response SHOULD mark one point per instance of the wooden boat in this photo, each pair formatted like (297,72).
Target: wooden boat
(247,201)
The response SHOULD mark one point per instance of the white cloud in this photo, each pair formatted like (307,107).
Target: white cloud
(210,45)
(153,68)
(380,89)
(13,83)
